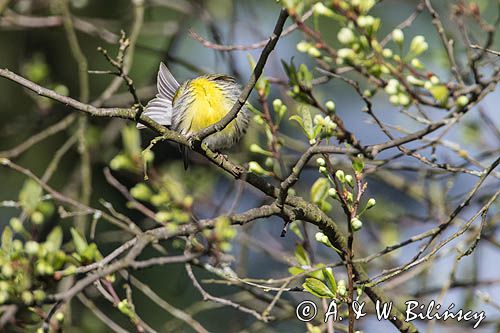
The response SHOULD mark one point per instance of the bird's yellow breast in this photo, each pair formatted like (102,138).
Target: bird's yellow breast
(209,104)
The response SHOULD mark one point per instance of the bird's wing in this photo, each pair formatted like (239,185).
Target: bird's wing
(166,83)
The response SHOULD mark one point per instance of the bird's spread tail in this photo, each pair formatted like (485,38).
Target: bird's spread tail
(160,108)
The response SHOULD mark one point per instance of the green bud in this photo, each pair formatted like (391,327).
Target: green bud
(387,53)
(39,295)
(323,170)
(256,168)
(16,224)
(7,270)
(312,142)
(269,162)
(258,119)
(160,198)
(418,46)
(365,21)
(163,216)
(323,239)
(27,297)
(403,99)
(398,36)
(371,202)
(461,102)
(4,296)
(415,62)
(346,36)
(37,217)
(332,192)
(31,247)
(340,176)
(394,99)
(314,52)
(434,80)
(59,317)
(349,180)
(320,161)
(303,47)
(141,192)
(356,224)
(277,103)
(330,106)
(255,148)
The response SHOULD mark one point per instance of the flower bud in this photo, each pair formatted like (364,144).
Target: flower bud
(461,102)
(340,176)
(371,202)
(320,161)
(303,46)
(417,64)
(330,106)
(346,36)
(365,21)
(31,247)
(398,36)
(387,53)
(356,224)
(314,52)
(37,217)
(403,99)
(332,192)
(323,169)
(346,53)
(349,180)
(255,148)
(277,103)
(141,192)
(418,45)
(16,224)
(256,168)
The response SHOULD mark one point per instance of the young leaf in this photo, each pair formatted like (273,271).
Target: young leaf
(30,195)
(301,256)
(7,236)
(319,190)
(328,273)
(79,241)
(54,239)
(317,288)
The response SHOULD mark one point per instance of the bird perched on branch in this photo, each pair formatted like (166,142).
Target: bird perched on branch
(196,104)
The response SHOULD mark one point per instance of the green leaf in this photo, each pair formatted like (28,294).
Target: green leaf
(131,141)
(298,120)
(301,256)
(330,279)
(79,241)
(7,236)
(319,190)
(317,288)
(54,239)
(295,270)
(308,123)
(440,93)
(30,196)
(358,164)
(294,226)
(305,76)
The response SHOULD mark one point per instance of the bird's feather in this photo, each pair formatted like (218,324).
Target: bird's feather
(160,108)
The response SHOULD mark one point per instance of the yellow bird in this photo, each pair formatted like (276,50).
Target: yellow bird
(196,104)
